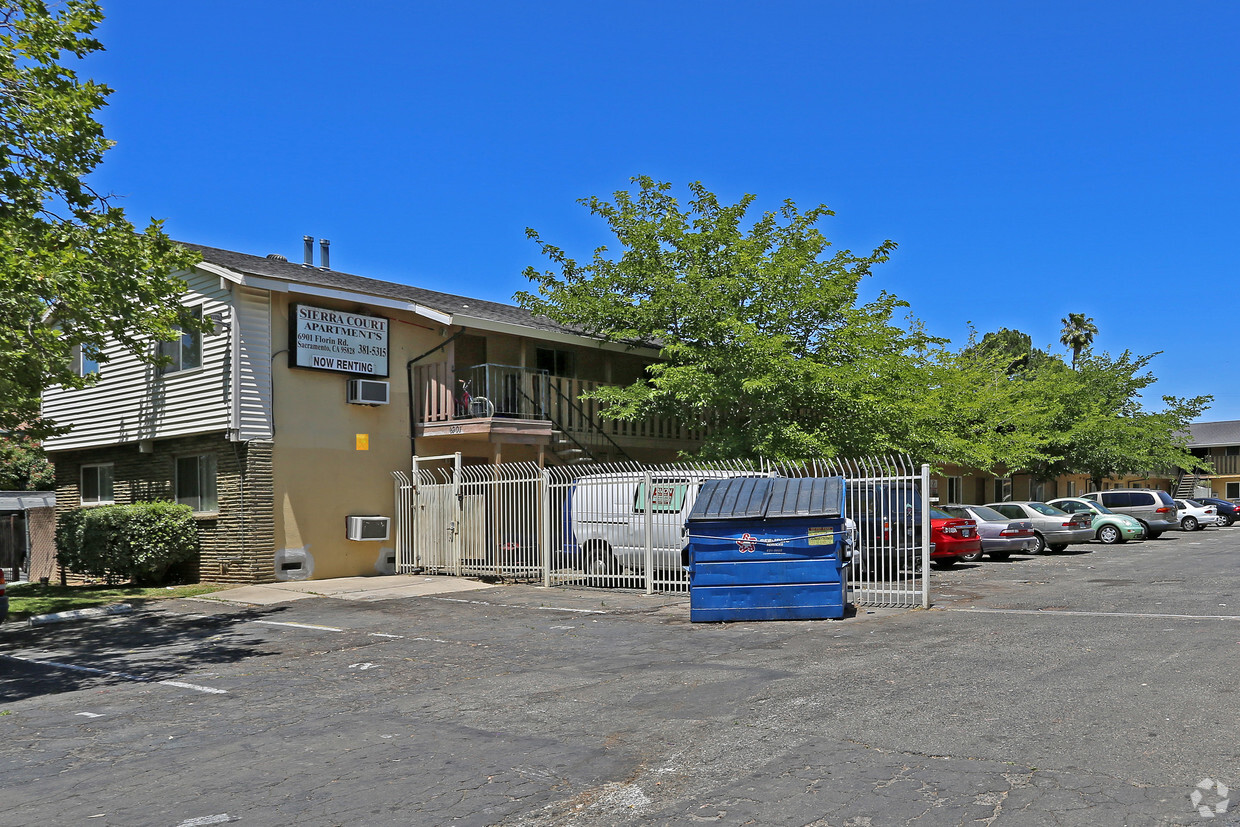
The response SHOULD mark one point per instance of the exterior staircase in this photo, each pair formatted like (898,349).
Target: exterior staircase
(1187,485)
(567,450)
(584,445)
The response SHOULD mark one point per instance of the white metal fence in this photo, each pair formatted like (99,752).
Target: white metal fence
(622,525)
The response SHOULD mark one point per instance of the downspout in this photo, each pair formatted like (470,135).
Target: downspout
(413,445)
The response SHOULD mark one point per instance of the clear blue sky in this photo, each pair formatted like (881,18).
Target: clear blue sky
(1031,160)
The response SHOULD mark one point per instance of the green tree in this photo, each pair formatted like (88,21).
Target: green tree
(1016,346)
(24,466)
(74,273)
(1077,334)
(1090,420)
(761,330)
(1102,428)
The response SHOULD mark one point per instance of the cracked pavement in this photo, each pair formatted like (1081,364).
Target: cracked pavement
(1074,689)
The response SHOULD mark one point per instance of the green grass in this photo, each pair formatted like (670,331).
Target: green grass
(30,599)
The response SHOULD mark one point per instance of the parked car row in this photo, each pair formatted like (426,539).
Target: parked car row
(605,516)
(1115,516)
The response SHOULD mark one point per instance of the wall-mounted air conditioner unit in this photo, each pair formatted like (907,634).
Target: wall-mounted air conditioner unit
(368,528)
(369,392)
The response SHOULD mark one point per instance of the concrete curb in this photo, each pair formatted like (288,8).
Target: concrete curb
(82,614)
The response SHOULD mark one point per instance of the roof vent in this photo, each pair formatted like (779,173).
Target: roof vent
(276,257)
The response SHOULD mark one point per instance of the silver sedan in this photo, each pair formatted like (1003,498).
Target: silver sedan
(1053,528)
(1001,536)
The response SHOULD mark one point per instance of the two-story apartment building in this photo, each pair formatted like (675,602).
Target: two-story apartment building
(1218,442)
(313,387)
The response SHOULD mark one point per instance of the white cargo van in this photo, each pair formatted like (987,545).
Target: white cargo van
(607,516)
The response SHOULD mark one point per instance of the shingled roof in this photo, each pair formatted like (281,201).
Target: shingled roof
(443,302)
(1213,434)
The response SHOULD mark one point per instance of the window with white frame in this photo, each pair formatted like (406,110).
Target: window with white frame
(195,482)
(1003,489)
(1071,488)
(85,361)
(955,489)
(184,352)
(96,484)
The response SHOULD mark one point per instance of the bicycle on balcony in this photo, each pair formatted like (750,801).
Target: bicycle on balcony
(468,405)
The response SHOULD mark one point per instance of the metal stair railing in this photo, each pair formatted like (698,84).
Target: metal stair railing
(582,416)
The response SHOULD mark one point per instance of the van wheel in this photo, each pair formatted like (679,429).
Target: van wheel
(1189,523)
(598,559)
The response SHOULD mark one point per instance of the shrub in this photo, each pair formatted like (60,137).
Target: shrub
(138,542)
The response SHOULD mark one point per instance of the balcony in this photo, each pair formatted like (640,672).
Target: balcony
(506,403)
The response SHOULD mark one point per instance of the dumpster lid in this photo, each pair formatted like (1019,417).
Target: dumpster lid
(733,498)
(806,497)
(757,498)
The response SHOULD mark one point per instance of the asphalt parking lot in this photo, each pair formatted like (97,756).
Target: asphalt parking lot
(1080,688)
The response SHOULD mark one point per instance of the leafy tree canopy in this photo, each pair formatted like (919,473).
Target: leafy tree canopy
(23,465)
(762,331)
(74,273)
(1102,428)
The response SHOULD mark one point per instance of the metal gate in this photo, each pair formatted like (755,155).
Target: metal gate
(622,525)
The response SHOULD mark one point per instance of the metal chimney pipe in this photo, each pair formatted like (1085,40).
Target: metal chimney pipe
(323,260)
(308,244)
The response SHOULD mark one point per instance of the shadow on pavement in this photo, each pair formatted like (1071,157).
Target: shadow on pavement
(149,647)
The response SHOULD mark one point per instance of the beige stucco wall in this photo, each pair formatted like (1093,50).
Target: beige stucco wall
(1022,485)
(320,476)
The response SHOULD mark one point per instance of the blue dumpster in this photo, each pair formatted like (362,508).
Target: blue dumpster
(764,548)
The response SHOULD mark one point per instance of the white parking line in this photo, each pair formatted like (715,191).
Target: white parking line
(111,674)
(222,818)
(512,606)
(296,625)
(211,690)
(1048,612)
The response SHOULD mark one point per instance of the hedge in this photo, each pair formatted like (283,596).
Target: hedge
(138,542)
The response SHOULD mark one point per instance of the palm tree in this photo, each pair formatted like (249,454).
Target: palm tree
(1078,334)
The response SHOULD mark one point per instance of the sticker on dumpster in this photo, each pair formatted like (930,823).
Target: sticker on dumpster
(747,543)
(821,537)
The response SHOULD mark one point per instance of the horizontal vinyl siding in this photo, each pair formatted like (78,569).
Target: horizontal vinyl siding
(130,402)
(253,314)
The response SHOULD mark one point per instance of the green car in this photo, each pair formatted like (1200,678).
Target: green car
(1108,526)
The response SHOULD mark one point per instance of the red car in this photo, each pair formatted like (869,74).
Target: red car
(951,538)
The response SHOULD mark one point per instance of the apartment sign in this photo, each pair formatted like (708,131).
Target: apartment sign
(336,340)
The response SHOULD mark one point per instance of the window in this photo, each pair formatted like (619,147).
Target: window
(556,362)
(184,353)
(1071,488)
(955,489)
(668,496)
(1233,451)
(1003,489)
(85,361)
(195,482)
(96,484)
(1233,490)
(1012,512)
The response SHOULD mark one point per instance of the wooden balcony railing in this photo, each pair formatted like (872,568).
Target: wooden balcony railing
(519,393)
